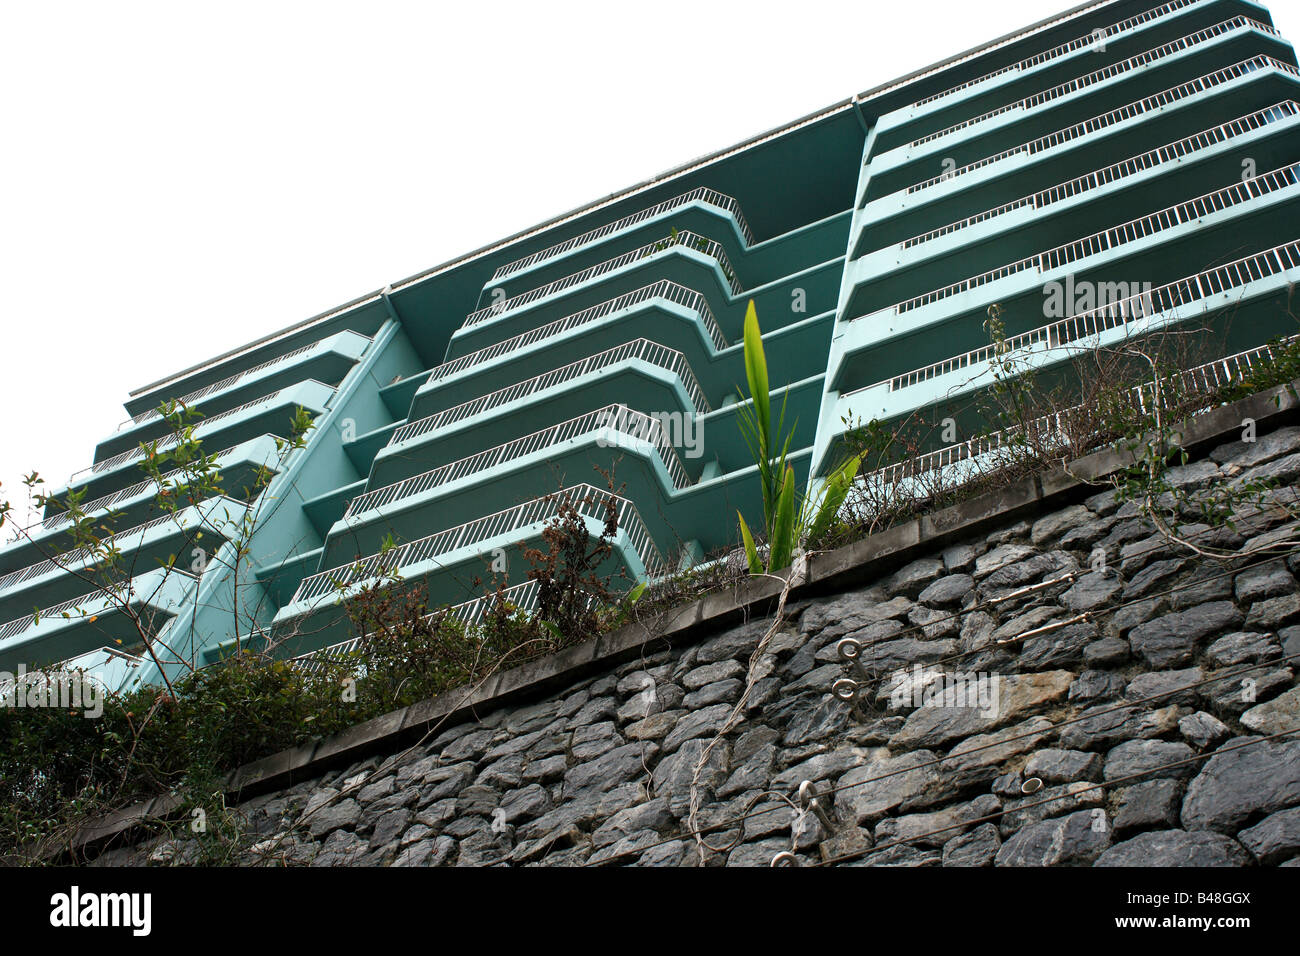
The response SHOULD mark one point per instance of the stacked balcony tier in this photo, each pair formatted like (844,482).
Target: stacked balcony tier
(1096,197)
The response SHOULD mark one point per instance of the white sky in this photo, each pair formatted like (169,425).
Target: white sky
(178,179)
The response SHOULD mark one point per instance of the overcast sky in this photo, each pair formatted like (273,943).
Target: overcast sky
(178,179)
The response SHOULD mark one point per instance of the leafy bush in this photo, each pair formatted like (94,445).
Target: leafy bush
(59,768)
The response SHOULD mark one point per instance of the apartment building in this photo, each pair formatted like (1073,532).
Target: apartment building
(1119,169)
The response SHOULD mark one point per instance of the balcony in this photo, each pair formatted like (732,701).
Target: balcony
(1251,285)
(592,422)
(95,619)
(1163,156)
(1157,138)
(1112,118)
(133,508)
(702,196)
(959,462)
(467,613)
(58,578)
(640,373)
(1088,42)
(523,468)
(107,667)
(365,316)
(269,414)
(993,197)
(134,504)
(448,559)
(688,259)
(1134,243)
(1088,81)
(473,533)
(326,361)
(662,291)
(639,349)
(192,398)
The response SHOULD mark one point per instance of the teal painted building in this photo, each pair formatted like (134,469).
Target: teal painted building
(1117,169)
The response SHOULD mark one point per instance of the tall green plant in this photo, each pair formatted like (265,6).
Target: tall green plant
(791,520)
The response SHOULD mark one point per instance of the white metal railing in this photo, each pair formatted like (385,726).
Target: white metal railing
(663,289)
(1202,379)
(1099,76)
(18,625)
(1115,314)
(200,425)
(684,238)
(1128,167)
(468,613)
(643,349)
(473,532)
(1117,236)
(700,194)
(191,397)
(76,555)
(985,216)
(108,501)
(983,50)
(612,417)
(1115,116)
(1063,49)
(53,674)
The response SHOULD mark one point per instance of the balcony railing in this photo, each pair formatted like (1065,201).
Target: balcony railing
(76,556)
(1201,380)
(1129,167)
(1081,43)
(105,502)
(50,674)
(612,417)
(483,529)
(191,397)
(975,220)
(652,352)
(985,49)
(701,194)
(468,613)
(1105,120)
(1115,314)
(18,625)
(133,453)
(663,289)
(1117,236)
(685,238)
(1099,76)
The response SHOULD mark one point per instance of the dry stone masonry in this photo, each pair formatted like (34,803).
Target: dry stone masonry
(1073,690)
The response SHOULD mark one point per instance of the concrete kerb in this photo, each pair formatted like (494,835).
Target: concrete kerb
(278,766)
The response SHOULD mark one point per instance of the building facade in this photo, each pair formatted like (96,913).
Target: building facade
(1120,169)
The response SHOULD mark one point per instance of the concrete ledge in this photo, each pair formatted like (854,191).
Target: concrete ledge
(279,766)
(853,565)
(356,742)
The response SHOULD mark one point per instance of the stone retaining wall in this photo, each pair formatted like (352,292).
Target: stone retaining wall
(1128,714)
